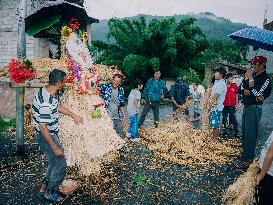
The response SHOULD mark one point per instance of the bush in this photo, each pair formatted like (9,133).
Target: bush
(4,125)
(192,76)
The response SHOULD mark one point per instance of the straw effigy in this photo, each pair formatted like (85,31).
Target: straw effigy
(242,191)
(181,143)
(89,145)
(94,142)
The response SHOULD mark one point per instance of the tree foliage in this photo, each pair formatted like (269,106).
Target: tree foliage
(139,47)
(225,50)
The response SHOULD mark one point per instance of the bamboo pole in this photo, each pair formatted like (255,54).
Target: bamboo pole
(20,91)
(28,85)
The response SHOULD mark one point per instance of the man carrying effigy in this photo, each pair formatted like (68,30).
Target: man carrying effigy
(46,109)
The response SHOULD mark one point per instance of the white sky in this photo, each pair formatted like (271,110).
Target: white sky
(243,11)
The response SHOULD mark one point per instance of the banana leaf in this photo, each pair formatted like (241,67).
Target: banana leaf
(43,25)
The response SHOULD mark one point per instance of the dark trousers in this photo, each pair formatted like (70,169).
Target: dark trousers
(230,111)
(265,191)
(118,127)
(250,125)
(56,169)
(148,106)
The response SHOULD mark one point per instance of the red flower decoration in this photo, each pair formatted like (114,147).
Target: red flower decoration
(100,104)
(70,79)
(19,72)
(74,24)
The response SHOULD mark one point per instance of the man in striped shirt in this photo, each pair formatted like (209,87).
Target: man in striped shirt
(45,109)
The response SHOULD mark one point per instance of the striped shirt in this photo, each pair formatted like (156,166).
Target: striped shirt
(45,110)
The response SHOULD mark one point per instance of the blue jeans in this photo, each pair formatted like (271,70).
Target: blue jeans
(133,128)
(56,169)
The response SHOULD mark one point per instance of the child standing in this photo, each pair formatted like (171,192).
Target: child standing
(133,109)
(231,104)
(218,93)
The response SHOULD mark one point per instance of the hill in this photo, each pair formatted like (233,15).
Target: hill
(214,27)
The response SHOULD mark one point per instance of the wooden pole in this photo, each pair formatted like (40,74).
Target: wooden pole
(20,91)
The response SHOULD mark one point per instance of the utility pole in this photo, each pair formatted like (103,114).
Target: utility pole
(265,15)
(20,91)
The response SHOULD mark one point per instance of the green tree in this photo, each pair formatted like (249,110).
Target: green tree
(225,50)
(139,47)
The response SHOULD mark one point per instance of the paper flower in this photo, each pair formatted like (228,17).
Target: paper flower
(84,37)
(66,32)
(20,72)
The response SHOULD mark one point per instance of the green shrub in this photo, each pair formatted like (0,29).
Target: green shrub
(4,125)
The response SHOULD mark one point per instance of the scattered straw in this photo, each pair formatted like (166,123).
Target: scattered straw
(181,143)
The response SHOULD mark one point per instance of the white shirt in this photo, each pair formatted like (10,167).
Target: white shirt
(134,95)
(220,88)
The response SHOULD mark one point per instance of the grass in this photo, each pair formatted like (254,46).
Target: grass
(4,125)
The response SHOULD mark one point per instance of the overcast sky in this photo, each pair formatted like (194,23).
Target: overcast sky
(243,11)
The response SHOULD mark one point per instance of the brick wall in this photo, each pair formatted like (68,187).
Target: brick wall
(36,48)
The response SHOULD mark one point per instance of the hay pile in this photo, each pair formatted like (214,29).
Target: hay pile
(181,143)
(242,192)
(44,66)
(104,72)
(94,142)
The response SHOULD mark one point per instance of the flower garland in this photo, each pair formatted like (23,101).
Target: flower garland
(20,71)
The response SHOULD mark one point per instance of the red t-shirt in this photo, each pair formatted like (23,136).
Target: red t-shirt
(230,98)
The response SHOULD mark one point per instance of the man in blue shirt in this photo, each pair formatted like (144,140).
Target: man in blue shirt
(155,90)
(179,93)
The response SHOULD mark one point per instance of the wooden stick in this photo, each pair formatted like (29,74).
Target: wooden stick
(28,85)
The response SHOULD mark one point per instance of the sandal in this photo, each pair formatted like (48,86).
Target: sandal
(56,196)
(44,186)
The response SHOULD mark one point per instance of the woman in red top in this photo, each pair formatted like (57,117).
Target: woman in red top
(230,104)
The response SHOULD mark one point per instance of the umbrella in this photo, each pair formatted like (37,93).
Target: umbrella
(256,37)
(40,20)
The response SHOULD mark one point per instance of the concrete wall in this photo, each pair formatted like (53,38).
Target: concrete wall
(36,48)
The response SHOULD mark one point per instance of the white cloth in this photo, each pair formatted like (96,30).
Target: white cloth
(201,90)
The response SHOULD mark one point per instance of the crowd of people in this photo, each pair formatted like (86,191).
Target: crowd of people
(224,97)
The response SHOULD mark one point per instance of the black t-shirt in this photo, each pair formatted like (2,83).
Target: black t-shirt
(262,88)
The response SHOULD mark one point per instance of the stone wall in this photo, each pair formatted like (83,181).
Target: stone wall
(36,48)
